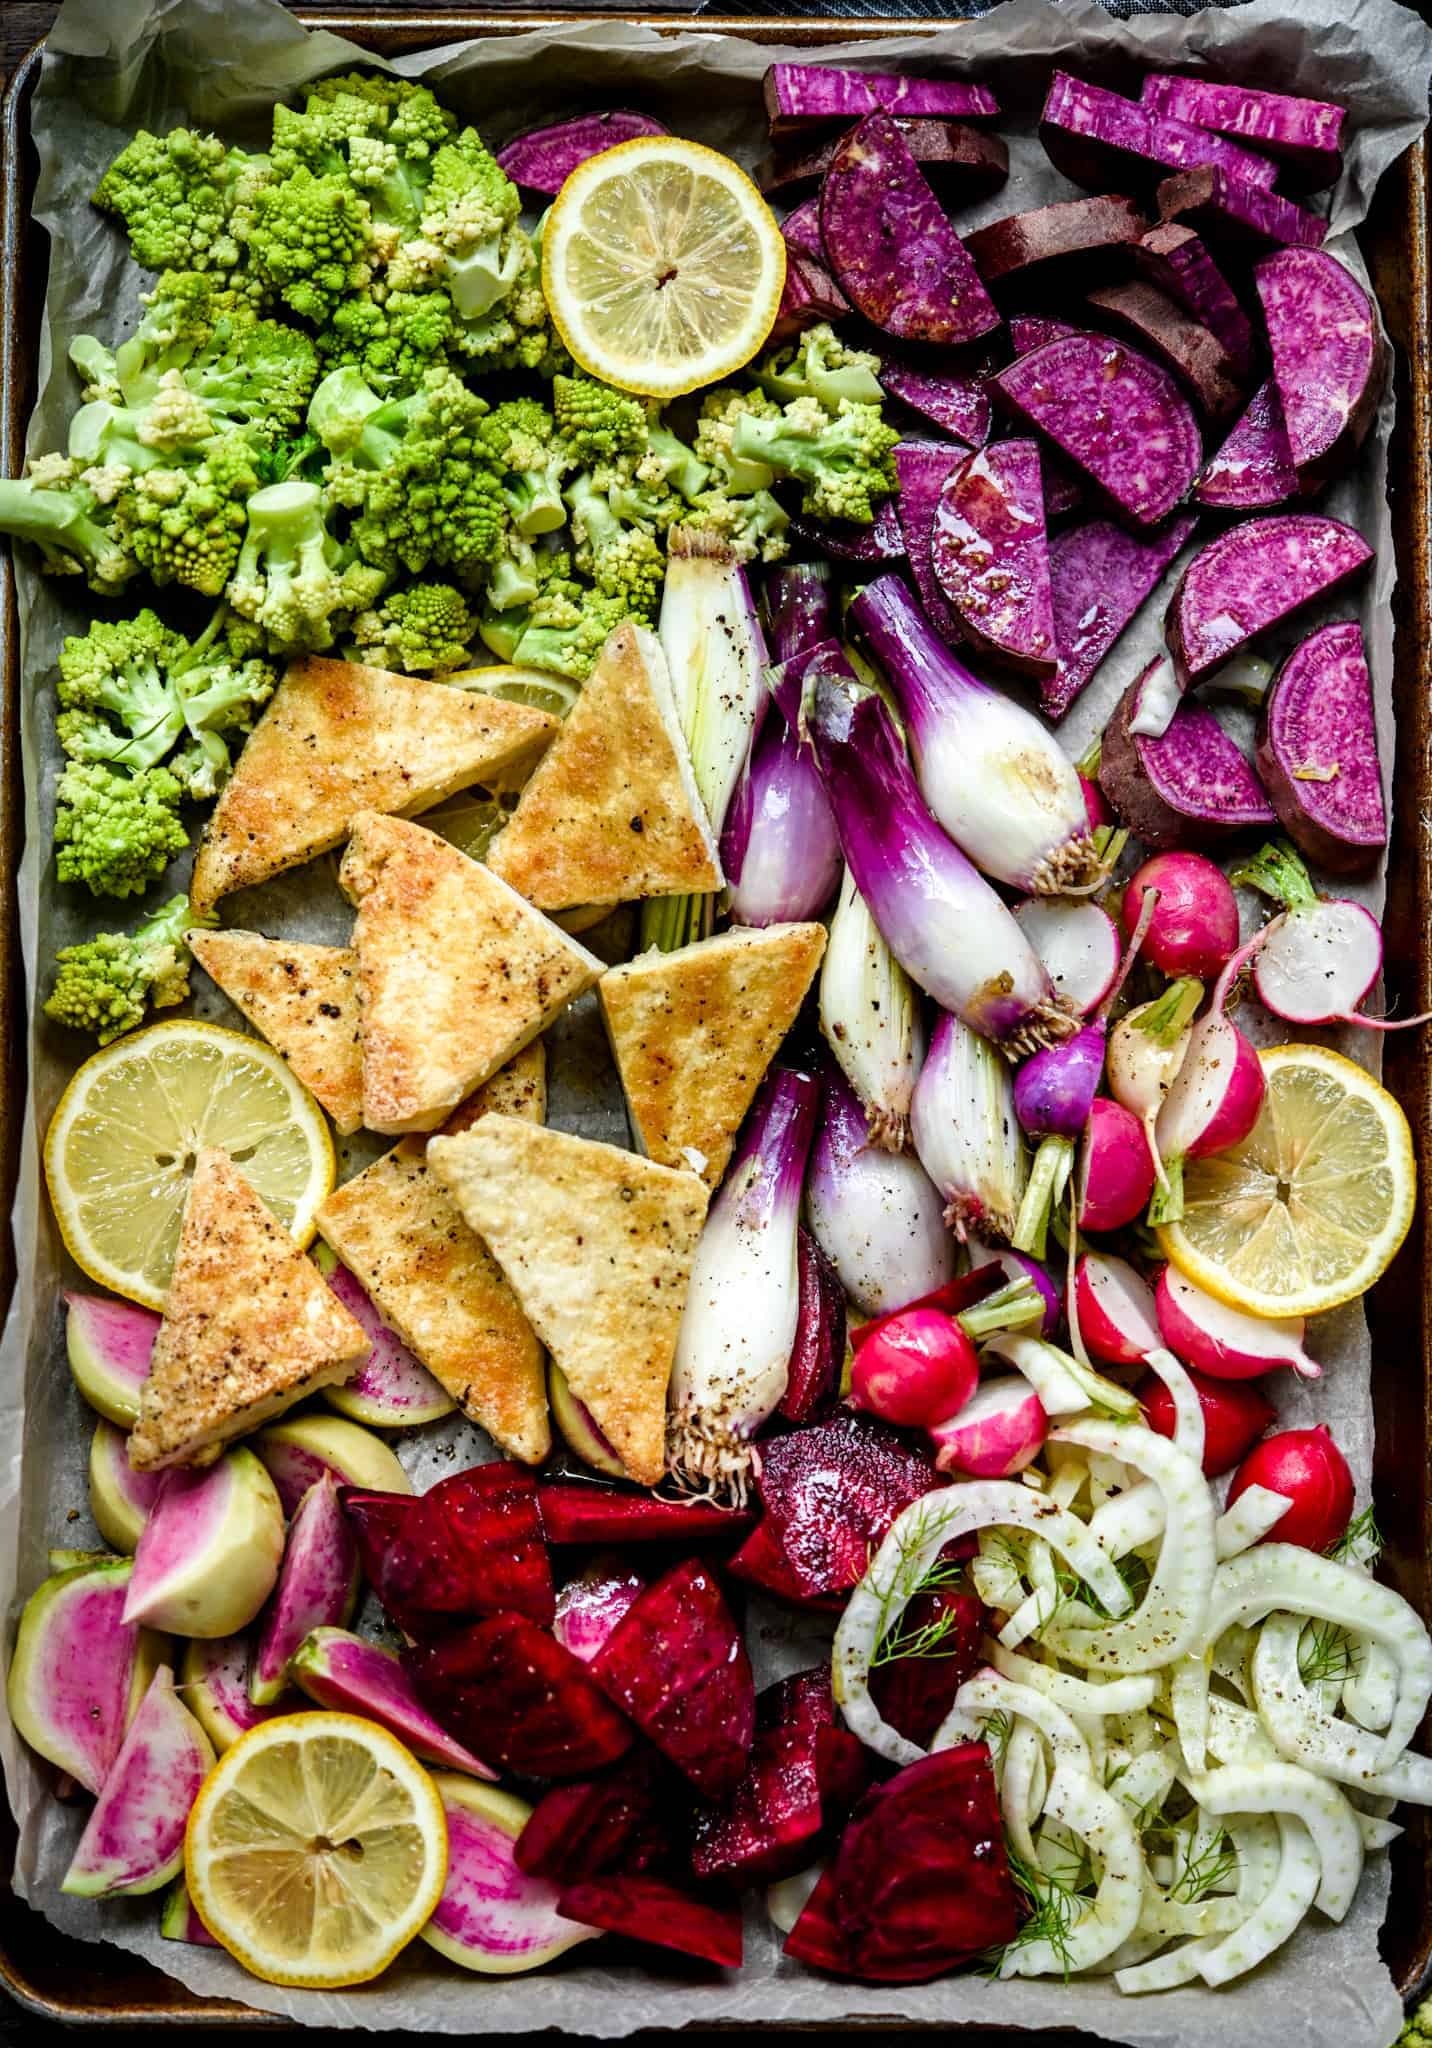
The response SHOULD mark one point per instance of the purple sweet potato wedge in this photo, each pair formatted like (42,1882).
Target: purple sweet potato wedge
(991,556)
(1317,751)
(1032,330)
(1234,211)
(881,542)
(1099,576)
(768,1825)
(587,1511)
(1063,490)
(830,1493)
(1305,136)
(915,1691)
(676,1664)
(813,1378)
(1188,787)
(922,467)
(542,159)
(1172,335)
(1179,262)
(647,1910)
(962,163)
(590,1606)
(801,230)
(798,95)
(894,254)
(509,1691)
(1329,359)
(470,1545)
(1099,139)
(1073,238)
(594,1825)
(1118,417)
(1253,577)
(1253,471)
(810,294)
(957,403)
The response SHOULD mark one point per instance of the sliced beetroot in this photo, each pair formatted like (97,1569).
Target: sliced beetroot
(1118,417)
(1305,136)
(816,1939)
(1230,209)
(1195,355)
(831,1492)
(956,403)
(991,556)
(1099,576)
(590,1606)
(761,1561)
(470,1545)
(1252,577)
(810,294)
(1253,470)
(798,94)
(1098,139)
(1317,751)
(598,1824)
(1032,330)
(936,1648)
(961,163)
(769,1824)
(801,230)
(813,1378)
(1189,787)
(1329,360)
(647,1910)
(542,159)
(922,468)
(1065,239)
(676,1664)
(583,1511)
(1180,263)
(881,542)
(893,252)
(509,1691)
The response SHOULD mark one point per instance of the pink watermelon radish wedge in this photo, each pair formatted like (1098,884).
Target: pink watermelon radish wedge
(79,1669)
(297,1452)
(390,1390)
(179,1921)
(135,1838)
(121,1499)
(109,1343)
(210,1551)
(214,1679)
(340,1670)
(317,1587)
(492,1917)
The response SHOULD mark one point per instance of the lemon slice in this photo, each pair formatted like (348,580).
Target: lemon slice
(1309,1210)
(316,1850)
(472,819)
(120,1149)
(662,265)
(532,686)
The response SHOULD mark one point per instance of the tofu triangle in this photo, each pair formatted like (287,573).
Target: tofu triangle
(597,1244)
(456,973)
(694,1031)
(249,1327)
(612,811)
(338,738)
(304,1000)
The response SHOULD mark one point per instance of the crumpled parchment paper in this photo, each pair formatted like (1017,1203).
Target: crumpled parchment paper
(113,65)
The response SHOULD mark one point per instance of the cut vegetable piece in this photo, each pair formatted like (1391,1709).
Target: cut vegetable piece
(209,1554)
(813,1377)
(801,230)
(1031,330)
(1234,1413)
(575,1426)
(800,93)
(810,294)
(304,1001)
(954,402)
(893,252)
(134,1840)
(317,1588)
(769,1824)
(999,1431)
(1255,576)
(1253,470)
(296,1454)
(1118,417)
(340,1670)
(1099,576)
(613,1822)
(542,159)
(1317,751)
(831,1492)
(492,1917)
(108,1344)
(582,1512)
(214,1679)
(882,541)
(935,1645)
(1189,786)
(390,1390)
(991,556)
(1304,135)
(961,163)
(179,1921)
(79,1669)
(1329,358)
(120,1498)
(473,1544)
(1219,205)
(647,1910)
(1079,944)
(1099,139)
(1222,1341)
(1195,355)
(1178,261)
(1064,241)
(589,1607)
(923,468)
(508,1690)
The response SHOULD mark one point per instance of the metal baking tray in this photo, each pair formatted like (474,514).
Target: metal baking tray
(83,1984)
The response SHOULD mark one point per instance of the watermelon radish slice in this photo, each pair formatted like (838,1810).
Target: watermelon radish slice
(317,1587)
(493,1917)
(297,1452)
(589,1607)
(340,1670)
(214,1679)
(209,1554)
(135,1838)
(120,1498)
(71,1560)
(109,1343)
(470,1545)
(508,1690)
(179,1921)
(647,1910)
(599,1824)
(578,1426)
(79,1670)
(390,1390)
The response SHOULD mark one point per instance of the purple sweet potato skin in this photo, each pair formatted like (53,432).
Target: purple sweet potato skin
(1304,135)
(1189,788)
(882,541)
(922,468)
(1183,344)
(1072,235)
(956,403)
(1099,139)
(799,94)
(1032,330)
(1253,470)
(962,163)
(1063,491)
(801,230)
(1329,359)
(1099,577)
(1117,416)
(1178,261)
(1319,716)
(810,294)
(1253,577)
(1228,209)
(542,159)
(991,556)
(893,252)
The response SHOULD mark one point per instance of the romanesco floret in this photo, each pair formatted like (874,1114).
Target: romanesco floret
(62,514)
(310,239)
(519,439)
(845,462)
(624,562)
(253,373)
(520,575)
(390,340)
(657,487)
(116,700)
(1418,2031)
(567,634)
(721,413)
(515,334)
(820,365)
(384,142)
(185,525)
(105,985)
(470,217)
(176,195)
(516,576)
(289,577)
(422,630)
(116,832)
(595,423)
(755,526)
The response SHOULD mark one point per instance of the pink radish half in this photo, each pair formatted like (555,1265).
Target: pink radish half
(999,1431)
(1222,1341)
(1216,1095)
(390,1390)
(209,1553)
(492,1917)
(108,1344)
(590,1606)
(1017,1266)
(135,1838)
(1115,1307)
(79,1669)
(299,1450)
(317,1587)
(1317,963)
(214,1679)
(1078,943)
(341,1670)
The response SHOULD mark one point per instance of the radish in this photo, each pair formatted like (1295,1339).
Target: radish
(134,1841)
(78,1670)
(1078,943)
(1116,1175)
(317,1588)
(1216,1095)
(108,1344)
(1017,1266)
(1146,1052)
(208,1556)
(1224,1342)
(1194,927)
(918,1370)
(1234,1415)
(997,1432)
(1115,1310)
(1317,962)
(1306,1465)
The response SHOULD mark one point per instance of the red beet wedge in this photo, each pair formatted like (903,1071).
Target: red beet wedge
(510,1690)
(831,1492)
(769,1825)
(939,1634)
(650,1911)
(676,1664)
(813,1380)
(762,1562)
(470,1545)
(599,1824)
(576,1511)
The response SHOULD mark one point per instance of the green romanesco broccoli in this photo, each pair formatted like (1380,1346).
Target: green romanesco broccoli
(105,985)
(421,630)
(516,576)
(185,524)
(390,338)
(471,244)
(519,437)
(844,462)
(116,700)
(623,562)
(595,423)
(116,832)
(721,413)
(820,365)
(177,195)
(381,133)
(755,526)
(293,578)
(68,517)
(311,241)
